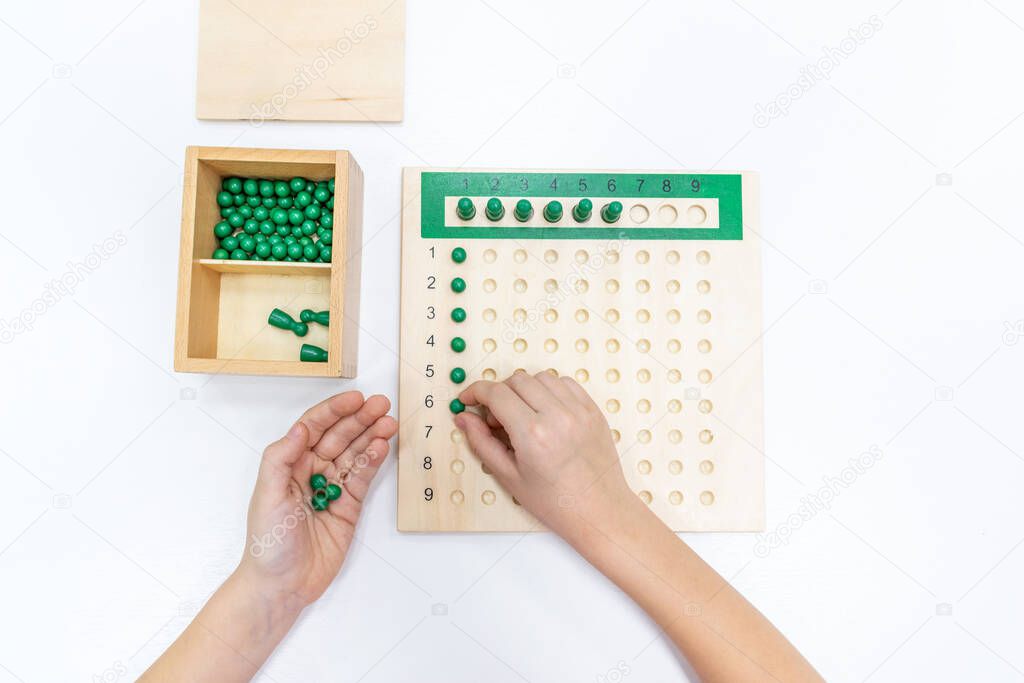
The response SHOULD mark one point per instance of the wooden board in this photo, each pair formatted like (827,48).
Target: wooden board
(221,324)
(315,60)
(657,315)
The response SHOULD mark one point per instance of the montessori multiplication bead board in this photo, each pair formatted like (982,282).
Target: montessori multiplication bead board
(643,286)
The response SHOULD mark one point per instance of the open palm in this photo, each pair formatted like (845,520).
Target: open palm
(291,548)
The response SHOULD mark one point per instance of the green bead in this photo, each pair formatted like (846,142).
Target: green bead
(281,189)
(263,250)
(247,244)
(297,184)
(458,254)
(611,212)
(266,189)
(295,217)
(328,237)
(312,354)
(459,315)
(251,227)
(321,194)
(325,254)
(279,251)
(553,211)
(221,253)
(290,239)
(458,344)
(285,202)
(581,212)
(310,316)
(253,202)
(456,406)
(232,185)
(295,250)
(255,257)
(251,187)
(313,212)
(296,230)
(308,228)
(333,492)
(283,230)
(267,228)
(222,229)
(239,255)
(319,501)
(238,199)
(225,199)
(230,243)
(235,220)
(458,375)
(523,211)
(303,199)
(282,320)
(330,185)
(310,186)
(318,481)
(495,209)
(269,202)
(458,285)
(465,209)
(279,216)
(261,213)
(310,252)
(327,220)
(260,238)
(245,212)
(330,204)
(227,211)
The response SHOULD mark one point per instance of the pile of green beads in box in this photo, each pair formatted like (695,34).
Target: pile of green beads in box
(275,220)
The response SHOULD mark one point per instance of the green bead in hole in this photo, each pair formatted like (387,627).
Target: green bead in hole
(458,344)
(459,315)
(458,285)
(465,209)
(458,254)
(458,375)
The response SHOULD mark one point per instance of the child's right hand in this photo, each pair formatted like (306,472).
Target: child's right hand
(549,445)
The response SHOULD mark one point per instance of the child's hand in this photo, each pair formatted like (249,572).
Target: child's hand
(292,552)
(548,444)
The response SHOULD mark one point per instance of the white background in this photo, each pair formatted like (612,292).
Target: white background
(891,300)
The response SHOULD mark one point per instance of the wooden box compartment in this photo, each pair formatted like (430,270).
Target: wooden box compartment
(221,324)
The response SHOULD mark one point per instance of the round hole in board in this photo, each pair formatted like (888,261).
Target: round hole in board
(646,497)
(704,316)
(672,256)
(488,497)
(643,405)
(638,213)
(550,256)
(643,346)
(458,466)
(519,345)
(611,286)
(552,371)
(612,346)
(612,406)
(519,285)
(643,436)
(703,257)
(550,345)
(644,467)
(643,286)
(490,256)
(705,406)
(675,467)
(696,214)
(484,468)
(612,376)
(674,346)
(643,375)
(643,316)
(523,370)
(675,436)
(457,436)
(704,346)
(616,436)
(582,345)
(519,256)
(707,498)
(551,285)
(582,376)
(643,256)
(490,315)
(457,497)
(675,406)
(707,467)
(490,285)
(674,376)
(581,315)
(673,316)
(489,374)
(703,287)
(704,376)
(582,286)
(612,315)
(706,436)
(675,498)
(490,346)
(551,315)
(581,256)
(612,256)
(667,215)
(519,315)
(672,286)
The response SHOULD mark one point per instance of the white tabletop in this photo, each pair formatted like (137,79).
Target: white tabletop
(893,307)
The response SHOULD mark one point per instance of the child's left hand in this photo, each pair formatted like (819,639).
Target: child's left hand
(293,552)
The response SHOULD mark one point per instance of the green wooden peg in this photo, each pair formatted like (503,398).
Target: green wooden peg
(312,354)
(319,317)
(279,318)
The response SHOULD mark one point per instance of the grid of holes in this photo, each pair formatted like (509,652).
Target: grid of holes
(643,315)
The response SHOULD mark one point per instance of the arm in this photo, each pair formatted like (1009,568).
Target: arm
(549,445)
(292,552)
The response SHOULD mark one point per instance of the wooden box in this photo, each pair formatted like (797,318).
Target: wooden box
(221,324)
